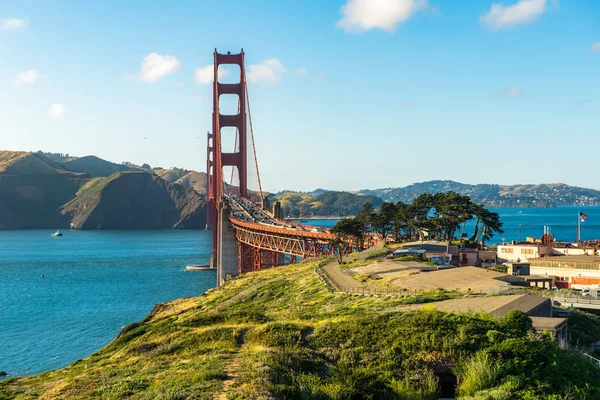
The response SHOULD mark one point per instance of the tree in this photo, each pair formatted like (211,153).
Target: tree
(351,231)
(487,224)
(401,222)
(382,221)
(419,215)
(146,166)
(451,210)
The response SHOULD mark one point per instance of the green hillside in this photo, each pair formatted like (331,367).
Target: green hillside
(190,179)
(327,203)
(96,167)
(24,163)
(51,190)
(281,333)
(135,200)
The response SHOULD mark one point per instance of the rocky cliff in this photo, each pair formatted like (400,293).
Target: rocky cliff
(37,192)
(32,191)
(137,200)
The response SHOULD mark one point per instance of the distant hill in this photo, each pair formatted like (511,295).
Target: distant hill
(135,200)
(191,179)
(49,191)
(24,163)
(33,188)
(327,203)
(543,195)
(95,167)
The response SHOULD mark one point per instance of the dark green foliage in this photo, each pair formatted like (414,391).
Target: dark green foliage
(583,328)
(440,216)
(327,203)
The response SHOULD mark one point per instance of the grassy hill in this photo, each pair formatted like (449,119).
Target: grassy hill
(95,167)
(327,203)
(32,190)
(281,333)
(25,163)
(191,179)
(135,200)
(49,191)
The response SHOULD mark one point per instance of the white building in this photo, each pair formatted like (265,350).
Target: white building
(522,252)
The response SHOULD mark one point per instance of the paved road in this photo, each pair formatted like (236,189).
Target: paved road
(578,302)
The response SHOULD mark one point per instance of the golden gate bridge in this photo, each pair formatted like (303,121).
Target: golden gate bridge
(247,236)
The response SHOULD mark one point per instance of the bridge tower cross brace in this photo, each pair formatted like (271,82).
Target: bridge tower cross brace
(216,157)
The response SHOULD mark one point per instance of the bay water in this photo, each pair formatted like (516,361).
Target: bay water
(63,298)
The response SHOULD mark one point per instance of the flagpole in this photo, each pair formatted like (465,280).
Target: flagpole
(578,226)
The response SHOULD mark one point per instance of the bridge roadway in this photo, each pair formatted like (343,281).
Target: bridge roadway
(259,230)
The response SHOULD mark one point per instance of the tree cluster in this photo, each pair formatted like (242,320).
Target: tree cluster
(437,216)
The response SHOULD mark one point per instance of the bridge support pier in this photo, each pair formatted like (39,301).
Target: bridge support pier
(227,247)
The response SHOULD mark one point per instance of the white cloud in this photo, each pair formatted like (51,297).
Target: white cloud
(302,71)
(12,24)
(270,71)
(595,48)
(523,11)
(197,99)
(26,77)
(513,91)
(155,66)
(362,15)
(56,110)
(205,75)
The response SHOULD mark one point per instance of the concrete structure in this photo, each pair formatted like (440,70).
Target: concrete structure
(227,250)
(566,271)
(498,306)
(468,257)
(556,327)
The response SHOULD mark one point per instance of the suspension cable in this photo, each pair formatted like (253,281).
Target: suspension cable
(252,135)
(235,145)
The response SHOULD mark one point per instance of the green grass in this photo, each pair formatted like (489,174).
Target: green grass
(281,333)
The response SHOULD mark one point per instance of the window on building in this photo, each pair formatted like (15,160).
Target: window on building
(526,251)
(507,250)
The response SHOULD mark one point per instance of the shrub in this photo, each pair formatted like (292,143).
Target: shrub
(479,372)
(423,385)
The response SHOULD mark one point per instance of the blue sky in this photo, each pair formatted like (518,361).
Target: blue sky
(345,94)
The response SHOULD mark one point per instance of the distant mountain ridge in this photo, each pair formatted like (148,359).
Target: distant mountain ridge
(49,191)
(492,195)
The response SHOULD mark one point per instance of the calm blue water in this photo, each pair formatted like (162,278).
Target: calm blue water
(94,284)
(520,223)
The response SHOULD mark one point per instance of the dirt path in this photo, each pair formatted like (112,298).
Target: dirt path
(231,369)
(340,278)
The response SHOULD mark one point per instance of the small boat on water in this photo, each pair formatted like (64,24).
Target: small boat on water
(57,234)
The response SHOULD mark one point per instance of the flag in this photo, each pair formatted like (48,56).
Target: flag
(582,216)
